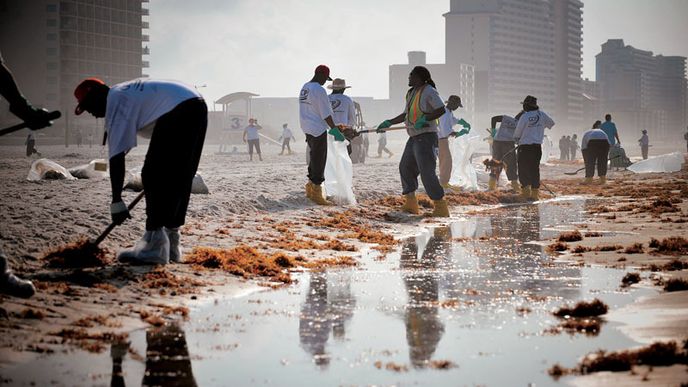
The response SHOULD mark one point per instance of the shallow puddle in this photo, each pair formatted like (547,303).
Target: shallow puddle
(466,304)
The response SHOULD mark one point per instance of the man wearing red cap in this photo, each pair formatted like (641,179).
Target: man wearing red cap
(174,117)
(315,114)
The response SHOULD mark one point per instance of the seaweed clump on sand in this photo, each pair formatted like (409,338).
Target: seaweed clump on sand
(570,236)
(670,246)
(630,279)
(583,309)
(557,246)
(244,261)
(79,254)
(676,285)
(657,354)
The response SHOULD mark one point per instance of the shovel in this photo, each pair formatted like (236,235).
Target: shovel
(112,226)
(580,169)
(381,130)
(51,116)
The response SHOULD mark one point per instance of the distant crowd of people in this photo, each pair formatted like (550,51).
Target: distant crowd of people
(568,146)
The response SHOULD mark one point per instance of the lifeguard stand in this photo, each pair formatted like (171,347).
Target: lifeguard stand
(236,110)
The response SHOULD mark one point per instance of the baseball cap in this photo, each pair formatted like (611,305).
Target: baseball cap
(455,98)
(324,70)
(82,91)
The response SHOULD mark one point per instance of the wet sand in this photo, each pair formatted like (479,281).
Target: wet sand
(251,203)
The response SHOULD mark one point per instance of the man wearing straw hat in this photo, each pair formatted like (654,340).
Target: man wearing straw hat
(342,107)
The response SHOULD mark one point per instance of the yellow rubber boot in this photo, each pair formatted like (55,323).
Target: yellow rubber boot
(516,187)
(441,209)
(309,190)
(317,196)
(587,181)
(411,204)
(492,184)
(525,192)
(535,194)
(603,180)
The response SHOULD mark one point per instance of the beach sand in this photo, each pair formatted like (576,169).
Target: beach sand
(253,204)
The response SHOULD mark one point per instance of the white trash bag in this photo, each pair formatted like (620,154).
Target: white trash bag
(96,169)
(463,172)
(670,162)
(339,173)
(45,169)
(546,149)
(134,182)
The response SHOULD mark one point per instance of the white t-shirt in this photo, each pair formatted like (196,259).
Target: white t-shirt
(343,109)
(314,107)
(447,122)
(506,129)
(429,101)
(286,133)
(593,134)
(134,105)
(252,132)
(530,128)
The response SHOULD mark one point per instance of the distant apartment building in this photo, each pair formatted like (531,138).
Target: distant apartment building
(455,79)
(520,47)
(642,90)
(51,45)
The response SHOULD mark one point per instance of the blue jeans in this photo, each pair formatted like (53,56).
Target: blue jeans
(420,158)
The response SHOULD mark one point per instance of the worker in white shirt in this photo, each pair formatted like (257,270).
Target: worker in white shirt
(343,108)
(286,137)
(529,134)
(175,117)
(446,129)
(503,150)
(315,116)
(644,143)
(595,148)
(251,135)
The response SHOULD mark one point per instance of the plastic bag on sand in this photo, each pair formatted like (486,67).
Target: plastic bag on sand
(463,172)
(134,183)
(96,169)
(671,162)
(339,173)
(546,149)
(45,169)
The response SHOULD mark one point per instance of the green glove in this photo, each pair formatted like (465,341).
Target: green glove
(338,136)
(384,125)
(463,123)
(493,132)
(421,122)
(461,132)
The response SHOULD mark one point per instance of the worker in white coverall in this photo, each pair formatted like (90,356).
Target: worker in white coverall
(175,118)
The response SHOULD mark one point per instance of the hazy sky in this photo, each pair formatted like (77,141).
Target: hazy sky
(271,47)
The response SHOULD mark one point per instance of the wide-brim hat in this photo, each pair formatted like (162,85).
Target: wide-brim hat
(83,90)
(454,98)
(338,84)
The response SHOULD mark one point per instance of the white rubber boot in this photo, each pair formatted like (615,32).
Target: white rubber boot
(152,249)
(175,248)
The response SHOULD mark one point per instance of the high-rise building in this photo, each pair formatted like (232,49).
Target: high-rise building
(517,48)
(642,90)
(51,45)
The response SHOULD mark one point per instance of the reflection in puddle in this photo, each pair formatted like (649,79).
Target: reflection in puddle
(454,293)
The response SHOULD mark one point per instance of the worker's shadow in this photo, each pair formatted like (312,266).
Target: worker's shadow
(114,275)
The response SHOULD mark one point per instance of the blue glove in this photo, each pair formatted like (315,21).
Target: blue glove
(384,125)
(463,123)
(421,122)
(338,136)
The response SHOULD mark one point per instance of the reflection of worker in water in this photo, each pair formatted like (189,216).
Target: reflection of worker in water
(423,326)
(167,359)
(324,310)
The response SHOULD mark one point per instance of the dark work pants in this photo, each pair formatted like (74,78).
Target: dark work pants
(596,154)
(643,150)
(499,150)
(420,158)
(317,157)
(529,156)
(171,163)
(253,144)
(285,143)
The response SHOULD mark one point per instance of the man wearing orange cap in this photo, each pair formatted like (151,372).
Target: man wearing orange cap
(175,117)
(315,115)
